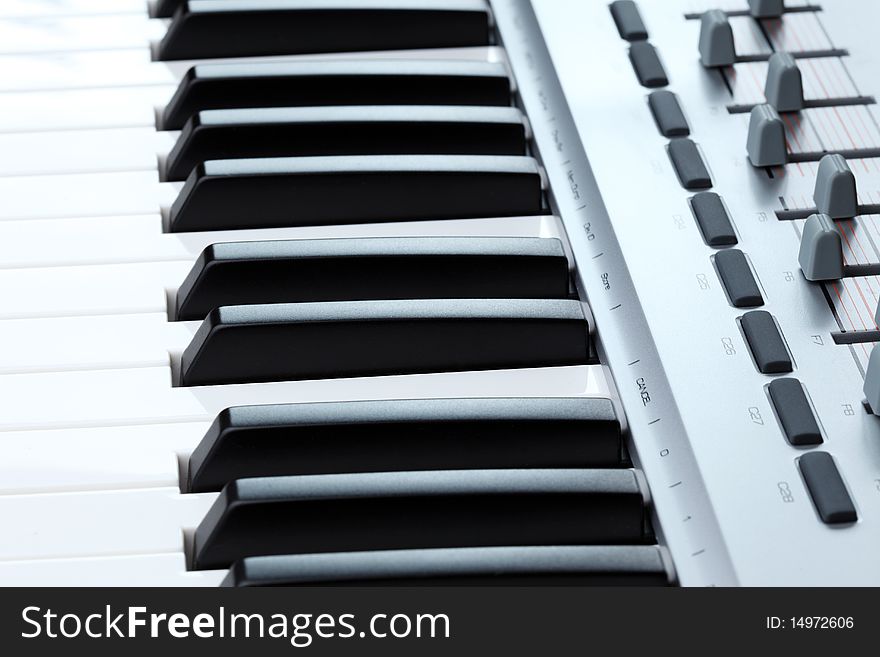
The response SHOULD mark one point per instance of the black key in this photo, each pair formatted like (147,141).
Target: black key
(668,114)
(826,487)
(794,412)
(290,271)
(737,278)
(410,510)
(689,165)
(352,82)
(581,565)
(278,342)
(166,8)
(401,435)
(713,220)
(351,130)
(629,21)
(204,29)
(313,191)
(647,65)
(766,343)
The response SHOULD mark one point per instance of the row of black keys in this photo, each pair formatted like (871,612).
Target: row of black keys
(505,303)
(311,309)
(320,493)
(264,145)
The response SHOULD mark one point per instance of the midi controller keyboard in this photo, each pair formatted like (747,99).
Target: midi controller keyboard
(439,292)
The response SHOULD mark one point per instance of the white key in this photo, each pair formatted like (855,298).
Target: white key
(85,195)
(125,397)
(109,240)
(99,342)
(131,570)
(81,524)
(61,34)
(96,458)
(88,290)
(136,68)
(83,151)
(55,8)
(82,109)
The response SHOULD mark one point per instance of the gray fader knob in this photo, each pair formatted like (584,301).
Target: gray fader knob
(784,88)
(821,254)
(872,381)
(716,40)
(766,8)
(766,142)
(835,192)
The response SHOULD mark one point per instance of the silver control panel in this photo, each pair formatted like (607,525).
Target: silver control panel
(743,382)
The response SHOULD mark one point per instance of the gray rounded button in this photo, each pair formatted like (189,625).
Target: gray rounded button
(784,88)
(766,141)
(821,252)
(716,40)
(835,192)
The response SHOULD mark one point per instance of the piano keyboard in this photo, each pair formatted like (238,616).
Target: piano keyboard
(316,292)
(305,278)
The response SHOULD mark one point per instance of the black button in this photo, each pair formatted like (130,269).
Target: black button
(823,480)
(294,341)
(313,191)
(689,165)
(372,130)
(628,20)
(582,565)
(342,82)
(668,114)
(794,412)
(293,271)
(766,343)
(405,434)
(414,510)
(737,278)
(647,65)
(713,220)
(202,29)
